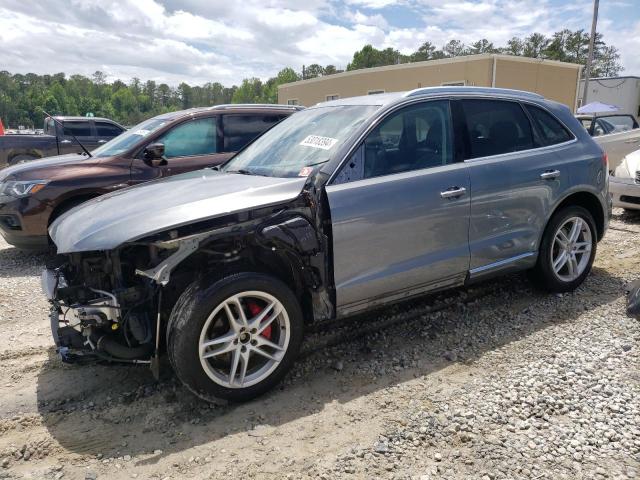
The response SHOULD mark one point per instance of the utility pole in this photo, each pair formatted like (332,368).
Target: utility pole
(592,39)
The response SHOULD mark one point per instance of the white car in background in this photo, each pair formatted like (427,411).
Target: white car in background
(617,134)
(624,182)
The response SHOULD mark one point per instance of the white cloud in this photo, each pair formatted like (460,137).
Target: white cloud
(198,41)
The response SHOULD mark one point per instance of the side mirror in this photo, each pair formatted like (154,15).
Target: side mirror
(154,154)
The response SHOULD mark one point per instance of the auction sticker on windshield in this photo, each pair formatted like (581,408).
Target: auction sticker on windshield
(316,141)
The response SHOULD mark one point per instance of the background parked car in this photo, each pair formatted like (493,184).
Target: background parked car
(617,134)
(57,139)
(34,194)
(624,183)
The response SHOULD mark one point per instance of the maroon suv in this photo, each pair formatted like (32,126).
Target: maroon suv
(33,194)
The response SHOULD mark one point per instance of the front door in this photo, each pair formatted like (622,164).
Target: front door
(400,211)
(82,130)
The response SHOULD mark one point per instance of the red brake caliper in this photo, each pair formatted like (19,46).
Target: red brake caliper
(255,309)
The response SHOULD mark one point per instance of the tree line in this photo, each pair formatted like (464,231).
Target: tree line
(23,96)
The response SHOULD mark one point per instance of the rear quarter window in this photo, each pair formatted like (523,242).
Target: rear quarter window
(550,130)
(105,129)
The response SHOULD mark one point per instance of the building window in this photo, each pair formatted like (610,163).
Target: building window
(375,92)
(461,83)
(328,98)
(292,101)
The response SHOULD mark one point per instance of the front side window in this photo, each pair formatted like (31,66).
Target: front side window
(551,130)
(413,138)
(239,130)
(192,138)
(105,129)
(495,127)
(78,129)
(301,142)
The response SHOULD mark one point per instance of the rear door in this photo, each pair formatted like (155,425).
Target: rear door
(515,181)
(83,130)
(400,210)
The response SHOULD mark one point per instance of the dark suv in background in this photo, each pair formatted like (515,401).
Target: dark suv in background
(58,139)
(33,194)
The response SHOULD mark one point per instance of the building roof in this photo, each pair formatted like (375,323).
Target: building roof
(404,66)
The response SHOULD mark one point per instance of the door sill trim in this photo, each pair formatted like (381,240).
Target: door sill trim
(500,264)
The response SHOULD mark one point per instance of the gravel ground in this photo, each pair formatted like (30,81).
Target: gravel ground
(493,381)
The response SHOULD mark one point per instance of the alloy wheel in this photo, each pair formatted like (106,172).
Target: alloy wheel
(244,339)
(571,249)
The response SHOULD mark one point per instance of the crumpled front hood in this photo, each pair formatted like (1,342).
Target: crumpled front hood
(108,221)
(629,166)
(32,169)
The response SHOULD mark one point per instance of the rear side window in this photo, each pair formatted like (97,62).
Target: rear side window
(78,129)
(107,129)
(192,138)
(238,130)
(495,127)
(550,129)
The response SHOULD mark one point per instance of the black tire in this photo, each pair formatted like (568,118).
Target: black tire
(189,317)
(543,274)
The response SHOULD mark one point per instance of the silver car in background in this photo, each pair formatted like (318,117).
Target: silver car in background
(338,209)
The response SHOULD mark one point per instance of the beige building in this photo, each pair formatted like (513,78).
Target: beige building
(554,80)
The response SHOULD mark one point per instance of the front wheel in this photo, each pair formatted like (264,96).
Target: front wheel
(567,250)
(234,338)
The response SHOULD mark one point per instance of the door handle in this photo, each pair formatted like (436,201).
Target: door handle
(102,141)
(65,142)
(453,192)
(550,174)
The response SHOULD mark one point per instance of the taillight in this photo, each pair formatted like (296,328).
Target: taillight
(605,160)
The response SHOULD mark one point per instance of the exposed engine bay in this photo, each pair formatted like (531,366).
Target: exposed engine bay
(114,305)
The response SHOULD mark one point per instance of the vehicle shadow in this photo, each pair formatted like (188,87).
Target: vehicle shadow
(116,410)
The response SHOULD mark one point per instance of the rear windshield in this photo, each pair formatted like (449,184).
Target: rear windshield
(301,142)
(129,138)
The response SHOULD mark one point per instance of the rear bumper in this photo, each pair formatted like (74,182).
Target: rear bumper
(625,192)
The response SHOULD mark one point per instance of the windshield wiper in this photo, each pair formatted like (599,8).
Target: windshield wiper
(243,171)
(317,163)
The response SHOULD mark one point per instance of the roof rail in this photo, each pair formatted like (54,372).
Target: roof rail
(256,105)
(472,90)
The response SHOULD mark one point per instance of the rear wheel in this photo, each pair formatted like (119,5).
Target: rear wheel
(567,250)
(235,338)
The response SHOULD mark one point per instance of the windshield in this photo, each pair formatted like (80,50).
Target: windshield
(127,139)
(304,140)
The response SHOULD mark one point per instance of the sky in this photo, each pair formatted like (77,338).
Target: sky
(199,41)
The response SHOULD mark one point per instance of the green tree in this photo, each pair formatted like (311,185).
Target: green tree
(535,45)
(250,91)
(454,48)
(482,46)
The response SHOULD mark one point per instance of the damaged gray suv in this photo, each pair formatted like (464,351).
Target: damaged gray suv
(340,208)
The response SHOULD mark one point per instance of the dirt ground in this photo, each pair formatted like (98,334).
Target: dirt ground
(493,381)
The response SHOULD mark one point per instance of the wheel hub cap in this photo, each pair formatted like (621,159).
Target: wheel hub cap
(571,249)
